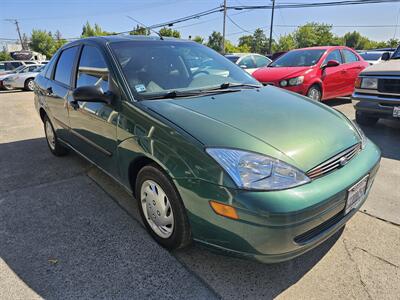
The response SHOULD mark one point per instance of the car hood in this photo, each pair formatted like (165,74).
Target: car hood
(267,120)
(389,67)
(270,74)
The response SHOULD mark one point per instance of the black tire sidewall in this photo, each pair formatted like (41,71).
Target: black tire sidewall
(181,233)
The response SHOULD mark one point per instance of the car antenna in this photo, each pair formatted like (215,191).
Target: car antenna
(151,29)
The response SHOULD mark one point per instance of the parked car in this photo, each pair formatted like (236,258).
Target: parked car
(9,66)
(373,57)
(20,70)
(23,80)
(377,91)
(320,73)
(218,159)
(275,55)
(249,61)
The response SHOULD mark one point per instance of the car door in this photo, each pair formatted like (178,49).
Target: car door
(247,63)
(353,68)
(59,92)
(94,124)
(333,82)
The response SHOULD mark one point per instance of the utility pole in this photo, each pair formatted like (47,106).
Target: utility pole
(15,21)
(272,25)
(223,29)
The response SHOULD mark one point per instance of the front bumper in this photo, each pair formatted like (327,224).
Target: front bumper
(280,225)
(299,89)
(376,105)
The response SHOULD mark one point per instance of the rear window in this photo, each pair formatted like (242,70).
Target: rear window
(64,65)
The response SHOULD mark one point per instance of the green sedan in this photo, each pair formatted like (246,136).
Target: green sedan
(210,154)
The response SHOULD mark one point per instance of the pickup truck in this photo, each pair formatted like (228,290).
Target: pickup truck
(377,91)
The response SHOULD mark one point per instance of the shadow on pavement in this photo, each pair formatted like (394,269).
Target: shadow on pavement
(240,279)
(66,238)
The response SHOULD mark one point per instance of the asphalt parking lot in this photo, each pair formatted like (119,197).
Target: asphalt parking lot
(68,231)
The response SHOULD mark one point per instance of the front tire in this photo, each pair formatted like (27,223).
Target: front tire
(315,93)
(365,119)
(161,208)
(52,141)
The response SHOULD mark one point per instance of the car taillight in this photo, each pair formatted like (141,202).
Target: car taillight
(357,84)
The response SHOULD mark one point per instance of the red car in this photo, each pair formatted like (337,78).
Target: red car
(318,72)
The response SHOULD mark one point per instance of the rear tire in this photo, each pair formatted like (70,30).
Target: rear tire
(52,141)
(29,85)
(315,93)
(365,119)
(161,208)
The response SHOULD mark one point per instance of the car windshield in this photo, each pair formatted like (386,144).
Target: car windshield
(19,69)
(396,54)
(154,68)
(371,56)
(39,69)
(299,58)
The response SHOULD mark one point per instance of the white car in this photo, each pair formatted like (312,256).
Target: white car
(23,79)
(373,57)
(249,61)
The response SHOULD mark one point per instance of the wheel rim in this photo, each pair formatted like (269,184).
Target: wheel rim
(157,209)
(314,94)
(51,139)
(31,85)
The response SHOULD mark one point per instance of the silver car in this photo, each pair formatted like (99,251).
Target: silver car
(23,79)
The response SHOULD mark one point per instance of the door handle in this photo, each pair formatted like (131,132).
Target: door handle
(49,91)
(74,105)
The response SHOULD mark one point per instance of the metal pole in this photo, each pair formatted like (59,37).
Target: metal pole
(272,25)
(19,34)
(223,29)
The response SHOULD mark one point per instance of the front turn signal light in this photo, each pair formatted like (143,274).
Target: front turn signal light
(224,210)
(358,82)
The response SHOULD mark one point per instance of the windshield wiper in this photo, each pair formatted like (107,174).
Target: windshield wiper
(177,94)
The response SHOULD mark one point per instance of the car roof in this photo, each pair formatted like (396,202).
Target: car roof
(239,54)
(322,48)
(123,38)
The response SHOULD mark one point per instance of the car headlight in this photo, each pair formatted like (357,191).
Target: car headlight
(283,83)
(296,80)
(368,83)
(254,171)
(361,133)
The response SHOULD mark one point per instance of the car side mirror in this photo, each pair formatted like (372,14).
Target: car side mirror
(92,93)
(385,56)
(331,63)
(243,66)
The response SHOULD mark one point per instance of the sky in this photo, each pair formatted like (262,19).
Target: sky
(68,16)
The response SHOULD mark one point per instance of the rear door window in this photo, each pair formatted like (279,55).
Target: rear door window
(349,56)
(64,65)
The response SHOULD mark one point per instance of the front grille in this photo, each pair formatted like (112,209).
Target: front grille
(306,237)
(389,86)
(336,162)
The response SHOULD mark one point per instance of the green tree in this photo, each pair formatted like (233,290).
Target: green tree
(313,34)
(260,42)
(4,55)
(215,41)
(392,43)
(285,43)
(198,39)
(89,30)
(43,42)
(170,32)
(355,40)
(246,41)
(140,30)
